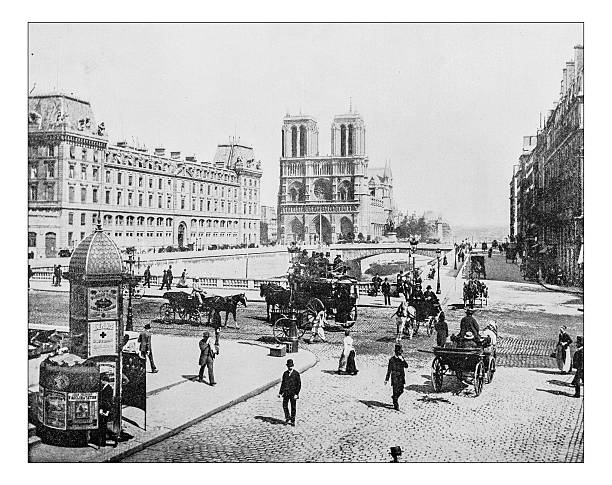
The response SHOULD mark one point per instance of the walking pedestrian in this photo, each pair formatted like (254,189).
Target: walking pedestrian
(30,274)
(207,358)
(563,350)
(386,291)
(147,277)
(318,328)
(377,280)
(578,364)
(170,277)
(59,275)
(347,358)
(441,328)
(400,320)
(164,280)
(291,385)
(395,370)
(105,406)
(146,350)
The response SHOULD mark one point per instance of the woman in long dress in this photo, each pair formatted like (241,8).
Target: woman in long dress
(564,361)
(347,358)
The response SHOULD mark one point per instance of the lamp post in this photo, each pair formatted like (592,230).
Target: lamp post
(455,255)
(438,291)
(129,319)
(413,243)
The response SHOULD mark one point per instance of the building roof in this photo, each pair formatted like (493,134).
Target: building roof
(60,111)
(97,256)
(233,154)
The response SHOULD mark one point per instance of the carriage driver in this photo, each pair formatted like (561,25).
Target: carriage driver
(469,324)
(197,290)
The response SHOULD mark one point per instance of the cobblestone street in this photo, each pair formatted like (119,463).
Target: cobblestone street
(523,415)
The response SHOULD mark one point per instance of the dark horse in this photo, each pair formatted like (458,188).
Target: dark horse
(275,295)
(227,304)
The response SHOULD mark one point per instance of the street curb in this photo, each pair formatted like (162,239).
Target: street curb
(171,432)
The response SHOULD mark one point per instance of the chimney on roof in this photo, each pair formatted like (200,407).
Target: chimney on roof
(191,158)
(571,74)
(578,58)
(175,155)
(160,152)
(122,144)
(564,82)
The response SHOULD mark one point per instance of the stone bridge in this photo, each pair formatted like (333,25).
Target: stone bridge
(357,252)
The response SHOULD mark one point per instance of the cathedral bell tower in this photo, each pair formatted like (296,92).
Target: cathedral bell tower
(348,135)
(299,137)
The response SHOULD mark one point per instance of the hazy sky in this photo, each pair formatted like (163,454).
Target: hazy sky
(448,104)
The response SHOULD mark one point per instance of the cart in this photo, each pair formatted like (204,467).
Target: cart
(182,305)
(471,366)
(311,295)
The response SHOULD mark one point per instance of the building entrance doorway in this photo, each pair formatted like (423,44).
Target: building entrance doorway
(50,245)
(181,234)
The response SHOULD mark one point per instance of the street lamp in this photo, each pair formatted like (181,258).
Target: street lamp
(413,243)
(129,319)
(438,291)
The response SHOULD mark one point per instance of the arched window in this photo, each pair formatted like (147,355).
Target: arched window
(119,220)
(160,221)
(342,140)
(150,221)
(302,141)
(294,141)
(282,143)
(140,221)
(350,140)
(169,222)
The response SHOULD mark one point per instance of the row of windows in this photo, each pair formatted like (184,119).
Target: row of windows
(159,221)
(119,199)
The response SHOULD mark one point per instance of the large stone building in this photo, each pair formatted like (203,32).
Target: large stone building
(330,197)
(145,200)
(547,187)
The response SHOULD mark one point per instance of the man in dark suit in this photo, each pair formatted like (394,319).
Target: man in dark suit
(170,277)
(386,291)
(469,324)
(105,406)
(144,339)
(395,370)
(578,364)
(290,391)
(207,358)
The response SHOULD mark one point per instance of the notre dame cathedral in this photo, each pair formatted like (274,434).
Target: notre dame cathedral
(325,198)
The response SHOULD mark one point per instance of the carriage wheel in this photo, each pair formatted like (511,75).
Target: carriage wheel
(195,318)
(352,318)
(280,329)
(491,372)
(314,306)
(479,375)
(166,313)
(305,323)
(437,374)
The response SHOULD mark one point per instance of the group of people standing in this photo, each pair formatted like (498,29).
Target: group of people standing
(564,360)
(57,275)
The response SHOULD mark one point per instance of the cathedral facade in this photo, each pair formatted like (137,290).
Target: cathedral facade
(327,198)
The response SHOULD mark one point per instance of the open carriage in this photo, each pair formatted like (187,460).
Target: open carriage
(182,306)
(471,366)
(474,291)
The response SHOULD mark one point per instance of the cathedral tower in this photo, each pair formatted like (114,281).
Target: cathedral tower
(348,135)
(299,137)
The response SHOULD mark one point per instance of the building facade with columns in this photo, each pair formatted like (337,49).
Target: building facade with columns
(148,200)
(326,198)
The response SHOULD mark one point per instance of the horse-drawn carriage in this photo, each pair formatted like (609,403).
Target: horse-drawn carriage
(475,290)
(305,298)
(477,266)
(194,308)
(470,365)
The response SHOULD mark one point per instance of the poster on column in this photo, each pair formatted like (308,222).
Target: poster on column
(102,338)
(102,303)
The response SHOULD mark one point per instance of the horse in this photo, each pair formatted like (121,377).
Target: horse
(227,304)
(275,295)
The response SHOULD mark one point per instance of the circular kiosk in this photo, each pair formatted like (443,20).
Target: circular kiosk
(96,277)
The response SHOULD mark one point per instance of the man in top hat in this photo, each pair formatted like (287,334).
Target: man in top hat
(578,364)
(291,386)
(395,370)
(469,324)
(144,339)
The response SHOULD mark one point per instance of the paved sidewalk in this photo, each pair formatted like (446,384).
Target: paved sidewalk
(176,400)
